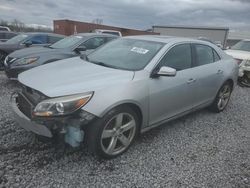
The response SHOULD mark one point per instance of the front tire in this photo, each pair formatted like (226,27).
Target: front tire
(222,98)
(2,58)
(114,133)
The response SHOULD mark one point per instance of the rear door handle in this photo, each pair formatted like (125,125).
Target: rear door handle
(191,80)
(219,71)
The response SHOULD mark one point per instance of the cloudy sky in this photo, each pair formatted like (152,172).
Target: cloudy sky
(140,14)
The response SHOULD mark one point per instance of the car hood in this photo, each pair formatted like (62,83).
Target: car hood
(72,76)
(3,45)
(33,51)
(238,54)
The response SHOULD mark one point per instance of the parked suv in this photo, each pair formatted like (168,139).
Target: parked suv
(125,87)
(6,35)
(25,40)
(71,46)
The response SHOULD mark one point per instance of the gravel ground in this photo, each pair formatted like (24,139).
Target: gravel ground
(199,150)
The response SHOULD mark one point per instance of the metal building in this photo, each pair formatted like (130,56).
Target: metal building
(69,27)
(215,34)
(236,36)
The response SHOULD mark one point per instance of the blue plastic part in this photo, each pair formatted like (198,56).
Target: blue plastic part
(74,136)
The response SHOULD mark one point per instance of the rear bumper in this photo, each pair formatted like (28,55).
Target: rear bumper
(26,123)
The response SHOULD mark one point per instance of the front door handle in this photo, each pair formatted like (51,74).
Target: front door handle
(191,80)
(219,71)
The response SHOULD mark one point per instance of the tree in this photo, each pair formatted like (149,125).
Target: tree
(97,21)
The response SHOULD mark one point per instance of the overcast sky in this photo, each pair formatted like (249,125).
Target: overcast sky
(140,14)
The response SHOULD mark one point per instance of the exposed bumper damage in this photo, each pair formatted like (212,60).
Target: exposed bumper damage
(71,127)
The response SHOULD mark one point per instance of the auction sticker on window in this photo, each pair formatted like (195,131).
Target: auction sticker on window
(139,50)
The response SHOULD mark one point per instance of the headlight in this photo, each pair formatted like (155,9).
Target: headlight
(26,61)
(62,105)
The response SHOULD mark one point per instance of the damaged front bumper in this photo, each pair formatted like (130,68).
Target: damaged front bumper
(71,126)
(26,123)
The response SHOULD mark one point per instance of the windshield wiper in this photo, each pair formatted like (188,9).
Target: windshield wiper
(48,46)
(104,64)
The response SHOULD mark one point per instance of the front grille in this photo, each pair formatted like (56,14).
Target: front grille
(9,60)
(24,105)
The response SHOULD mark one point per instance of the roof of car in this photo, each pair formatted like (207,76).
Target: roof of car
(8,32)
(41,33)
(161,38)
(107,30)
(94,35)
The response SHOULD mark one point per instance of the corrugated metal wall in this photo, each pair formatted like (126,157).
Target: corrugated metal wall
(210,33)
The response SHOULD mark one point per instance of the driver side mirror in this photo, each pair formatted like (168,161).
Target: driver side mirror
(166,71)
(80,49)
(28,43)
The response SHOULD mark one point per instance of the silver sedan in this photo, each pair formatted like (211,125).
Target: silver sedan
(124,88)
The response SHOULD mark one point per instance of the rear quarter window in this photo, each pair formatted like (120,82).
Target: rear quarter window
(216,56)
(204,54)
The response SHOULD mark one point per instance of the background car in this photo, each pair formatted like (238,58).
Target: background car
(71,46)
(25,40)
(128,86)
(111,32)
(6,35)
(4,28)
(240,51)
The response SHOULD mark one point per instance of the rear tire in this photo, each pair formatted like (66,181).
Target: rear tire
(222,98)
(113,134)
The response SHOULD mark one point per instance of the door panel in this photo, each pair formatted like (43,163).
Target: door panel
(170,96)
(208,82)
(209,74)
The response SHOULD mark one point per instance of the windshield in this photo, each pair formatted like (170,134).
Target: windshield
(127,54)
(67,42)
(242,45)
(17,39)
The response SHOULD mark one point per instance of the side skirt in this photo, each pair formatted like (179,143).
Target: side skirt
(145,129)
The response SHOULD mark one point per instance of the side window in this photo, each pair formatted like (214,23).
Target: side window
(39,39)
(53,39)
(93,43)
(204,54)
(216,56)
(179,57)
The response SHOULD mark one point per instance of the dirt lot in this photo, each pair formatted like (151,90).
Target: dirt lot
(199,150)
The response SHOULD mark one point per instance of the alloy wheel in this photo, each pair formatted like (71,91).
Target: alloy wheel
(118,133)
(224,96)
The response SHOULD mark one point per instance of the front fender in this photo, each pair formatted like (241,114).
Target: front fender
(133,92)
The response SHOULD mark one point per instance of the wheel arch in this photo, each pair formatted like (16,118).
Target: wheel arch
(230,81)
(134,106)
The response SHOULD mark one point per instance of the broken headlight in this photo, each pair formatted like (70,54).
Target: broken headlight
(61,105)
